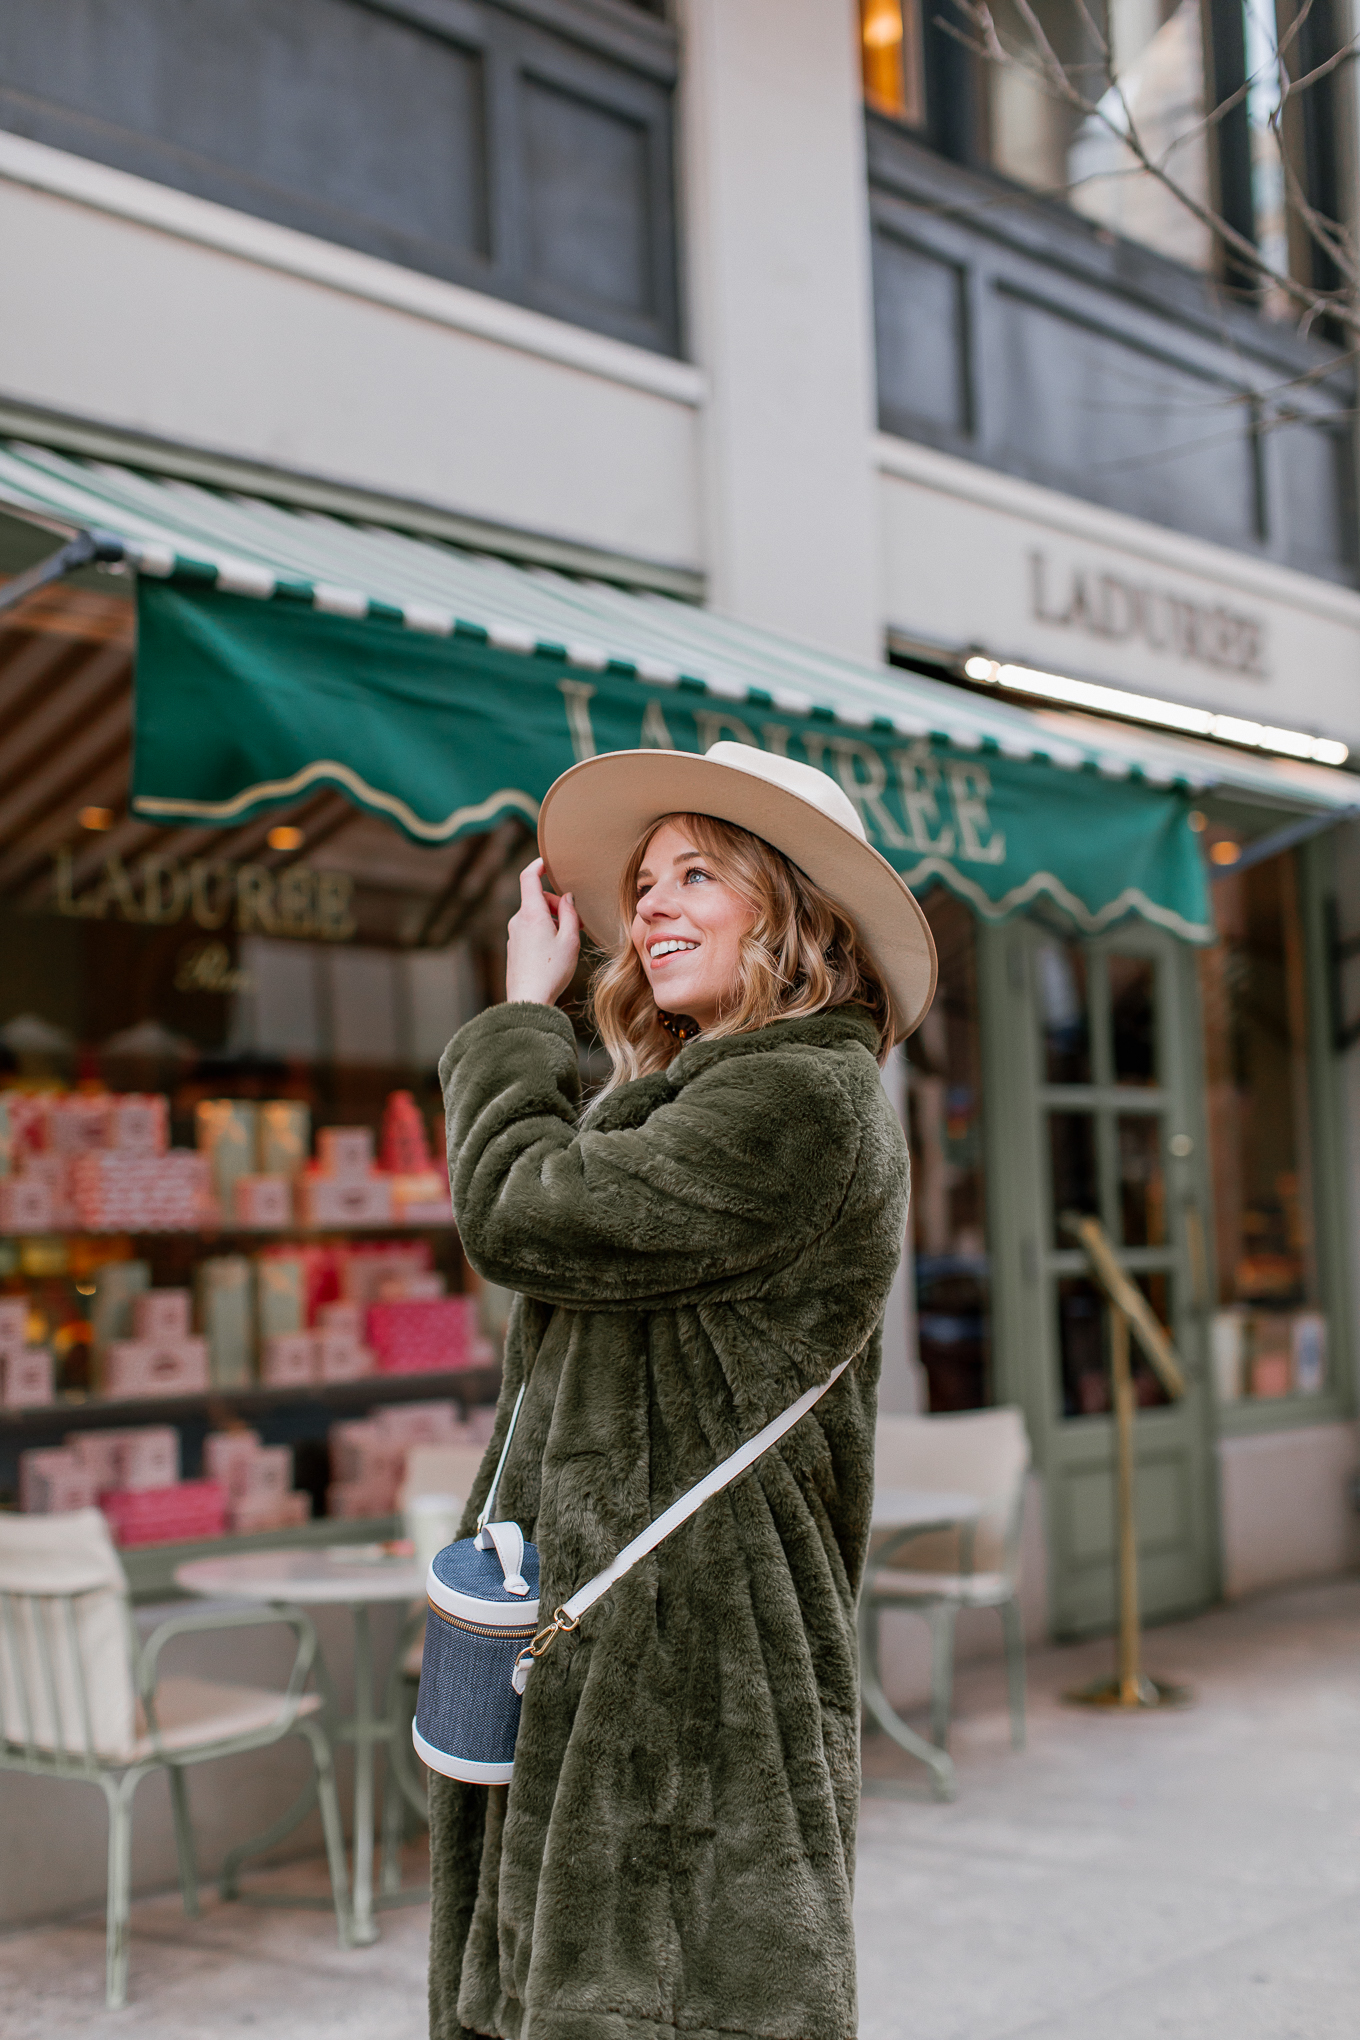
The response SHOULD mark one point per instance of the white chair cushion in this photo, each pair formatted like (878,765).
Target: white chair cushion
(191,1712)
(970,1590)
(64,1555)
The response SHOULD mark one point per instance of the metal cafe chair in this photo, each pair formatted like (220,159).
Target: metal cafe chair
(82,1699)
(937,1573)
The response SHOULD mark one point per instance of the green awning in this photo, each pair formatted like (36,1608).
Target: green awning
(280,649)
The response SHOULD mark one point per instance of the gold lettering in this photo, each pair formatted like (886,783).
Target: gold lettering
(335,920)
(970,786)
(775,738)
(164,886)
(63,876)
(854,759)
(207,967)
(654,731)
(297,900)
(576,694)
(918,776)
(206,912)
(255,899)
(114,889)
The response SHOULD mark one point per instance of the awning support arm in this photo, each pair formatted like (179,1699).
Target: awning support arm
(1283,839)
(83,550)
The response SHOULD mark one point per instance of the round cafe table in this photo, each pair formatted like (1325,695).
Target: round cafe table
(899,1514)
(357,1577)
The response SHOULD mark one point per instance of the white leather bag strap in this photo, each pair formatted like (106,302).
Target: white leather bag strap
(570,1613)
(489,1505)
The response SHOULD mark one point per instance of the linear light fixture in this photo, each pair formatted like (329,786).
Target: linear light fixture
(1145,708)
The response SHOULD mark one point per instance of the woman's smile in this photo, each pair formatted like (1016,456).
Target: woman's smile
(688,925)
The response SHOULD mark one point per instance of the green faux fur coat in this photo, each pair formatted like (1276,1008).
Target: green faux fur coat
(675,1852)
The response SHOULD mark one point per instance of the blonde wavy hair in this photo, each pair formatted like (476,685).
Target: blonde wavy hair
(801,956)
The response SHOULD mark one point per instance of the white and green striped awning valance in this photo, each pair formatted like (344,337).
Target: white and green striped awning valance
(280,649)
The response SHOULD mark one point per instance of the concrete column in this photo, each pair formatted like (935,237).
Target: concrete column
(775,213)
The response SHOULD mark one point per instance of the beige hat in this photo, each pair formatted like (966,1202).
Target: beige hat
(592,817)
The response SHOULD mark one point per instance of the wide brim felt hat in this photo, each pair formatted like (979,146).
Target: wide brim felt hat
(593,816)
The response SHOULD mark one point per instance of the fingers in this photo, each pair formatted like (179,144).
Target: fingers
(568,921)
(531,883)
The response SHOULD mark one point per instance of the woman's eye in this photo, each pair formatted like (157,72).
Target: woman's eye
(695,871)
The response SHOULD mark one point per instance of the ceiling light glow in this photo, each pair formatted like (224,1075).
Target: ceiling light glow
(1170,715)
(284,837)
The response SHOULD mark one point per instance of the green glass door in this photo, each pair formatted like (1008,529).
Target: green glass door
(1096,1051)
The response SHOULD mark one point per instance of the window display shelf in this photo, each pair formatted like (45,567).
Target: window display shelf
(471,1386)
(151,1567)
(224,1231)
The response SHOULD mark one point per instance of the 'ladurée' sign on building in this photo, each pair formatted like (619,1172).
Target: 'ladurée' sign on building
(1115,607)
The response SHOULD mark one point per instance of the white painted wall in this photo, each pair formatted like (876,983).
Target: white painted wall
(772,145)
(1288,1512)
(957,547)
(144,308)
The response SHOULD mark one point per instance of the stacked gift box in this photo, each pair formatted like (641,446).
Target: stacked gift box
(134,1477)
(258,1481)
(368,1456)
(97,1160)
(163,1356)
(101,1161)
(26,1373)
(427,1334)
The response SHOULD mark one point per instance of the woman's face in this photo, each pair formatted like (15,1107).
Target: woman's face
(687,927)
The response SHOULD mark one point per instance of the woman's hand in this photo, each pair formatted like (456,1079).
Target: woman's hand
(544,942)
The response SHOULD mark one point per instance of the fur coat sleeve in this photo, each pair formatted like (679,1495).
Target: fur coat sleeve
(674,1853)
(730,1173)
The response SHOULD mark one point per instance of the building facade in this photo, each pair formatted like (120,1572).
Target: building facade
(805,313)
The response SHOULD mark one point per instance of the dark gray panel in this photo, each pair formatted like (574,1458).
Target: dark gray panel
(324,116)
(522,149)
(1311,493)
(587,198)
(921,332)
(1098,416)
(1101,368)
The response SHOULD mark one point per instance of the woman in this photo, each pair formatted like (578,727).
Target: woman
(675,1851)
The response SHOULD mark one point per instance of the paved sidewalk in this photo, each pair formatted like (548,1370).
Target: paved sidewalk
(1188,1876)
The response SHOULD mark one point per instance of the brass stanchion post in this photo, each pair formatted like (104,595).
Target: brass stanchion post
(1128,1310)
(1130,1669)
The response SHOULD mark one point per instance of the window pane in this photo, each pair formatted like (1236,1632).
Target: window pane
(890,53)
(1142,1183)
(1041,140)
(1133,1019)
(1269,1337)
(1083,1349)
(1147,1385)
(1060,970)
(1160,79)
(948,1207)
(1072,1167)
(1084,1346)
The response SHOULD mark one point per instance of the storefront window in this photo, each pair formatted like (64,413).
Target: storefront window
(890,54)
(1269,1332)
(1197,83)
(225,1227)
(948,1206)
(1160,88)
(1105,1118)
